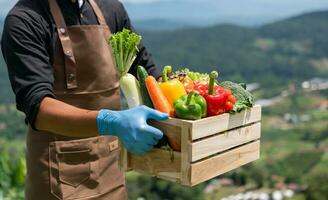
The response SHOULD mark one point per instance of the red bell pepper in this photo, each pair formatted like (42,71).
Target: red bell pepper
(218,99)
(201,88)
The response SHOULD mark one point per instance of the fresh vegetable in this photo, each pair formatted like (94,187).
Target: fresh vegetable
(172,89)
(188,84)
(124,45)
(217,98)
(142,74)
(195,76)
(160,103)
(157,97)
(244,99)
(131,90)
(201,88)
(191,106)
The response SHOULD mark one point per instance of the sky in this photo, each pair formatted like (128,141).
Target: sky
(246,12)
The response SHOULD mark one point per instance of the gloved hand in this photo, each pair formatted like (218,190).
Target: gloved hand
(131,127)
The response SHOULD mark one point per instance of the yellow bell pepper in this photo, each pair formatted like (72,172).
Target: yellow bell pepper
(172,89)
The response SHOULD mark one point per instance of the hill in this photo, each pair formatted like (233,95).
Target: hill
(294,142)
(209,12)
(289,50)
(278,53)
(157,25)
(307,26)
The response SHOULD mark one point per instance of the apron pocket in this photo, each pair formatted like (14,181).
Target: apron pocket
(74,167)
(71,167)
(86,168)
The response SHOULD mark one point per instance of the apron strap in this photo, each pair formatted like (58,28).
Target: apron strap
(99,14)
(70,63)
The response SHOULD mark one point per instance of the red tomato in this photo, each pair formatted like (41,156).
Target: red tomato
(228,106)
(232,99)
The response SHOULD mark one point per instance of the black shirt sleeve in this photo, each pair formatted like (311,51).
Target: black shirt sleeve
(30,72)
(144,58)
(27,42)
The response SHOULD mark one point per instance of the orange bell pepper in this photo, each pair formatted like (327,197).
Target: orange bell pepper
(172,89)
(188,84)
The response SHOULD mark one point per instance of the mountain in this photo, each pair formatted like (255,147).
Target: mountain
(299,27)
(290,50)
(159,25)
(211,12)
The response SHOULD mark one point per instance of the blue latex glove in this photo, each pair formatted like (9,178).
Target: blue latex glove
(131,127)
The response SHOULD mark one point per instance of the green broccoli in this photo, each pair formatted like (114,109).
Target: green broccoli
(244,98)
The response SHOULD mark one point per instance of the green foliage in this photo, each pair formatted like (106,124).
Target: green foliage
(244,98)
(317,184)
(297,197)
(272,55)
(221,193)
(11,122)
(12,172)
(295,165)
(125,47)
(195,76)
(155,189)
(6,95)
(315,132)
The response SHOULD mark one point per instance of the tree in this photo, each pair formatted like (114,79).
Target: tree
(317,184)
(154,189)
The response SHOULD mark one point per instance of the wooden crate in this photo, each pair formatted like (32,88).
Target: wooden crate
(209,147)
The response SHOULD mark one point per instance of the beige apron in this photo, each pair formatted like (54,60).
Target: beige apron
(75,168)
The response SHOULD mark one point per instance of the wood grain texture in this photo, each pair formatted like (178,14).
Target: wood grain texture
(213,125)
(222,163)
(185,155)
(124,162)
(171,130)
(209,147)
(170,176)
(157,163)
(227,140)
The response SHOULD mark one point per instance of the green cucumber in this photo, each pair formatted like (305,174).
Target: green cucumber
(142,74)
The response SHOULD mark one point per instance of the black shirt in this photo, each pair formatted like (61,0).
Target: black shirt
(28,42)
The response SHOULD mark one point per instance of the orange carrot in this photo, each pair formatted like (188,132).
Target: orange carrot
(157,97)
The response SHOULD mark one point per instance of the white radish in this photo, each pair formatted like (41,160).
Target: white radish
(131,90)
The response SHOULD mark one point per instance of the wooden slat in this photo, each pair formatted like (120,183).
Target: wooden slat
(156,163)
(227,140)
(222,163)
(174,122)
(124,159)
(213,125)
(185,155)
(172,129)
(169,176)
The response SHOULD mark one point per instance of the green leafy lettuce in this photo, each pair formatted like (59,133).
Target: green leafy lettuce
(125,48)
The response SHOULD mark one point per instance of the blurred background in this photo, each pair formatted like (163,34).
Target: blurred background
(278,47)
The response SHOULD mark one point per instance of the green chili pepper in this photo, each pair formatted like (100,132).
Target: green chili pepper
(192,106)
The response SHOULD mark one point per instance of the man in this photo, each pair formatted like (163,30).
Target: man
(62,73)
